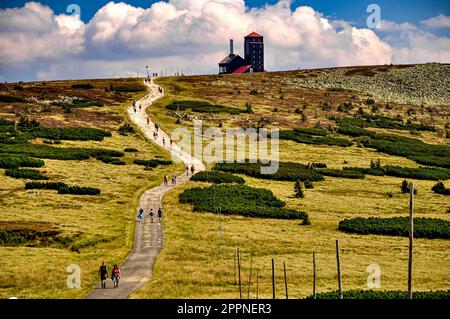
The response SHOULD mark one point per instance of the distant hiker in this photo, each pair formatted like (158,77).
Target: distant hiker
(148,120)
(187,170)
(160,214)
(115,276)
(140,106)
(166,180)
(192,169)
(164,141)
(170,143)
(174,180)
(103,273)
(140,214)
(156,127)
(151,214)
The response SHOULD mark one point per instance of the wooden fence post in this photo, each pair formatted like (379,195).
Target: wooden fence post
(250,278)
(285,280)
(341,295)
(273,279)
(411,237)
(239,273)
(314,275)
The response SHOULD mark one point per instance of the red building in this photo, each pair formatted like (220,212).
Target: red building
(253,53)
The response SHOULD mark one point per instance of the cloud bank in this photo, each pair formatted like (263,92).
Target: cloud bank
(192,36)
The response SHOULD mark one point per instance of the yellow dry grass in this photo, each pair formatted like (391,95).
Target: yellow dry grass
(104,223)
(198,260)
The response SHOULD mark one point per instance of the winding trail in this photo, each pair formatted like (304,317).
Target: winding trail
(137,269)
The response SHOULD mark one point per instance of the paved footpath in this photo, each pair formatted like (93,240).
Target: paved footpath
(148,237)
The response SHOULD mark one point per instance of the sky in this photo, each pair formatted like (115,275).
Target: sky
(58,39)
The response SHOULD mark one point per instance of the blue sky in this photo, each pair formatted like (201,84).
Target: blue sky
(41,40)
(351,10)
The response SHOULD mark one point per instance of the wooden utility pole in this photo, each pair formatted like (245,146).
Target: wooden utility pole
(239,272)
(235,266)
(250,278)
(257,283)
(341,295)
(285,280)
(411,237)
(314,275)
(273,279)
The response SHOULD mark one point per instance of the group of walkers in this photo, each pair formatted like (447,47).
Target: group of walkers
(151,214)
(135,105)
(115,275)
(192,170)
(174,180)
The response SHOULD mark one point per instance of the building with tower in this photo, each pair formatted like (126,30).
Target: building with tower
(253,60)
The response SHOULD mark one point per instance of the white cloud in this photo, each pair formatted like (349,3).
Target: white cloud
(439,21)
(390,26)
(182,34)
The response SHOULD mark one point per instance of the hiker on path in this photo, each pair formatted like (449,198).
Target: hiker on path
(151,214)
(160,214)
(156,127)
(192,170)
(174,180)
(170,143)
(115,276)
(148,120)
(166,180)
(187,170)
(140,214)
(103,273)
(164,141)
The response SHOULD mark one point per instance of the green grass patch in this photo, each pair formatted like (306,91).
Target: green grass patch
(239,200)
(397,226)
(298,137)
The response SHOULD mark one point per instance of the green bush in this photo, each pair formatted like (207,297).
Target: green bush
(309,184)
(47,185)
(202,107)
(380,294)
(239,200)
(440,188)
(16,161)
(125,129)
(58,153)
(217,177)
(341,173)
(397,226)
(131,150)
(311,139)
(11,99)
(414,149)
(63,188)
(287,171)
(76,190)
(77,103)
(25,173)
(75,133)
(153,162)
(129,89)
(110,160)
(422,173)
(311,131)
(84,86)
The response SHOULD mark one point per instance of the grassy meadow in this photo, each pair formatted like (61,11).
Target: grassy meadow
(102,227)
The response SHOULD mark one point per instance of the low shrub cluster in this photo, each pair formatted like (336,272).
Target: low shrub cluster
(77,103)
(440,188)
(25,173)
(287,171)
(239,200)
(423,173)
(217,177)
(110,160)
(125,129)
(131,150)
(63,188)
(16,161)
(397,226)
(383,294)
(308,136)
(381,121)
(414,149)
(153,162)
(71,133)
(202,107)
(128,89)
(11,99)
(83,86)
